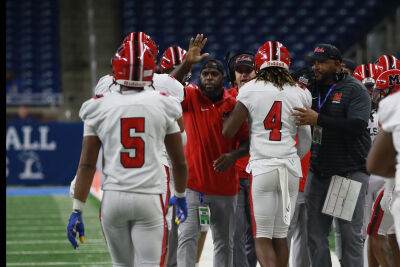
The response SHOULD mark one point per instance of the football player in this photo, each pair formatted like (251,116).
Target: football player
(132,125)
(382,161)
(267,103)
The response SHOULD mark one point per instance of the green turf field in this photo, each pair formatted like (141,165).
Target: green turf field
(36,233)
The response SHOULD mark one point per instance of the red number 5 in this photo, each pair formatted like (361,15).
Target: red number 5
(129,142)
(273,121)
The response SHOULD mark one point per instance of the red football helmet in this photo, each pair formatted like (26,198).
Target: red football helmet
(172,57)
(134,65)
(143,38)
(387,62)
(272,54)
(389,79)
(367,74)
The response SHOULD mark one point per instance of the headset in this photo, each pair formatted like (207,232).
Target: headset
(229,60)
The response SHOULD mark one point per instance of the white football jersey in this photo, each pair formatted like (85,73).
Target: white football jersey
(272,129)
(373,125)
(389,117)
(132,126)
(161,82)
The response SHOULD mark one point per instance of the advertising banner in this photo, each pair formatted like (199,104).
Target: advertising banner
(42,153)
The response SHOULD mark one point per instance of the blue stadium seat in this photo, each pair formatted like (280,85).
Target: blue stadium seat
(241,25)
(32,41)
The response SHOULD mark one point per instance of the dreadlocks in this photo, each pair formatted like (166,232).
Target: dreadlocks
(276,75)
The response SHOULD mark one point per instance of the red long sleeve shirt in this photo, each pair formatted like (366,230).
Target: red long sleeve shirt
(205,142)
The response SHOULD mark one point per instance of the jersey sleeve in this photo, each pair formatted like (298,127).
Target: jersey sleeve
(389,113)
(360,103)
(187,94)
(308,97)
(89,114)
(88,130)
(244,97)
(169,85)
(173,111)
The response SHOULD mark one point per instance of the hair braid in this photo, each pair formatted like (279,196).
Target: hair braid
(277,76)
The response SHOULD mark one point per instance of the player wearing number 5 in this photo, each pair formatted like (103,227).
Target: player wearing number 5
(274,163)
(132,125)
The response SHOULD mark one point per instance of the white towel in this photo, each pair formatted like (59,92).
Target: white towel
(286,207)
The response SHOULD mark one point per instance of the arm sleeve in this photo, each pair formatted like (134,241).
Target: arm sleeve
(360,104)
(353,126)
(389,113)
(174,112)
(304,141)
(88,129)
(185,101)
(173,127)
(244,97)
(89,114)
(358,113)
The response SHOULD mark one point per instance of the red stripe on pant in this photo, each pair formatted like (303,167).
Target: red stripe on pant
(376,217)
(101,226)
(168,194)
(253,220)
(165,236)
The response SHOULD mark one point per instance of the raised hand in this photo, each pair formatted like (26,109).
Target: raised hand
(195,46)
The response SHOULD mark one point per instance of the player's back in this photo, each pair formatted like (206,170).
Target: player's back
(132,126)
(272,128)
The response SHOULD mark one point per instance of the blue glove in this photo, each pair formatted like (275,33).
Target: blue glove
(181,208)
(75,225)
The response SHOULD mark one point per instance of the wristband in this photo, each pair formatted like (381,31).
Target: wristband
(77,205)
(180,195)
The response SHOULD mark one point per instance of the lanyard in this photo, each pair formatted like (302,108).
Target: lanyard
(201,195)
(326,97)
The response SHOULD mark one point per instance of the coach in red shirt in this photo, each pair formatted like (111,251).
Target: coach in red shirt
(213,181)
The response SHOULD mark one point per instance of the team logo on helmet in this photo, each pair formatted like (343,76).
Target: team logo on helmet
(388,82)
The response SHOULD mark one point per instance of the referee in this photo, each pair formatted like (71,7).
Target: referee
(339,116)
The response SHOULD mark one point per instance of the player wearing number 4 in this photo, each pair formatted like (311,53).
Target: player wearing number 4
(132,125)
(339,115)
(267,102)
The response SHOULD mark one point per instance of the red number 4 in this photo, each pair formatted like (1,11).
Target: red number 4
(273,121)
(130,142)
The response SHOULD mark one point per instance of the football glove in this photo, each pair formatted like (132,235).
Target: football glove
(75,225)
(181,208)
